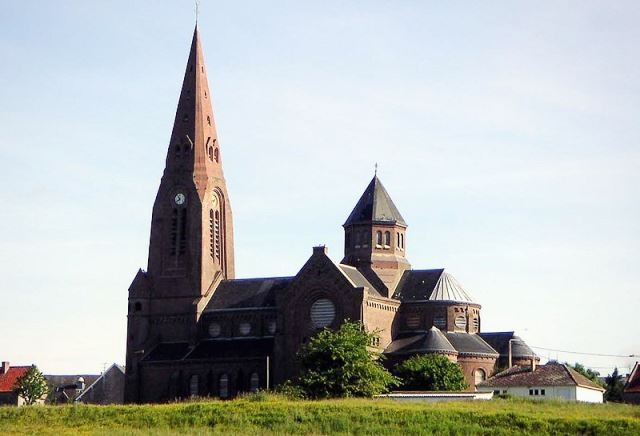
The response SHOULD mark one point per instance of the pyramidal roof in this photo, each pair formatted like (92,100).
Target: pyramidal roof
(375,205)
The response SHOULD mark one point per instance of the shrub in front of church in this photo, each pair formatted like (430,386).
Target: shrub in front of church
(339,364)
(430,372)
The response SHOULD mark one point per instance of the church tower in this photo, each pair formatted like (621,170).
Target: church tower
(374,238)
(191,243)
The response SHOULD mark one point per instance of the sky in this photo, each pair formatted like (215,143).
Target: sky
(506,133)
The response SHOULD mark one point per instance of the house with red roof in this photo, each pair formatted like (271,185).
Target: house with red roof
(550,381)
(631,392)
(8,377)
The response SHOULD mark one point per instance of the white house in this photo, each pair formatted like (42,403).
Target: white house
(551,381)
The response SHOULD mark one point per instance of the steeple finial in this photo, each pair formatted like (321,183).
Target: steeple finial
(197,10)
(375,169)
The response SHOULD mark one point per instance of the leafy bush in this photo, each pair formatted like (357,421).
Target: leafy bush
(430,372)
(339,364)
(32,386)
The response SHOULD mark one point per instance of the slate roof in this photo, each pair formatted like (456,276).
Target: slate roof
(8,379)
(165,351)
(633,382)
(433,341)
(375,205)
(432,285)
(551,374)
(466,343)
(232,349)
(238,293)
(500,342)
(358,279)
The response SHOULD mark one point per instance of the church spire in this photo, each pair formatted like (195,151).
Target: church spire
(194,139)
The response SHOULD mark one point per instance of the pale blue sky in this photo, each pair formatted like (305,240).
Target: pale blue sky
(506,132)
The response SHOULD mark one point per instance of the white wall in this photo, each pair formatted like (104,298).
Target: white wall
(569,393)
(589,395)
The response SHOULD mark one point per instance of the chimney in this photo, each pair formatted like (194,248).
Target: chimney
(4,368)
(320,249)
(533,363)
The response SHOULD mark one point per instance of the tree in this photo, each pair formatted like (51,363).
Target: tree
(340,364)
(32,386)
(431,372)
(592,375)
(614,386)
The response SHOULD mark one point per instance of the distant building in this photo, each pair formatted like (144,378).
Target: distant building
(551,381)
(66,388)
(106,389)
(8,377)
(194,329)
(631,392)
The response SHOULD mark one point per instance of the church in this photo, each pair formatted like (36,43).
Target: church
(194,329)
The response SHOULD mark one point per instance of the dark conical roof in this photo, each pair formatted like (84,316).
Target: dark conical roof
(375,205)
(433,341)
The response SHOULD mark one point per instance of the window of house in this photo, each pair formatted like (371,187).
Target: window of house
(244,328)
(535,392)
(461,322)
(214,329)
(323,312)
(479,375)
(193,386)
(271,326)
(223,386)
(530,391)
(542,392)
(254,382)
(440,321)
(413,320)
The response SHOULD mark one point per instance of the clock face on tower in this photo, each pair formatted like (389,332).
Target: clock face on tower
(179,199)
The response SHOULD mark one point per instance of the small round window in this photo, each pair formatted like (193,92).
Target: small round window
(440,322)
(244,328)
(323,312)
(413,320)
(271,326)
(214,329)
(461,322)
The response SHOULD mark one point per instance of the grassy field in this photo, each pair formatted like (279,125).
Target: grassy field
(264,414)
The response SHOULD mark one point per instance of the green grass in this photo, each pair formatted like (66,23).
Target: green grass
(268,414)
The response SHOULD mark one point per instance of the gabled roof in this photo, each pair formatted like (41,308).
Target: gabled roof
(239,293)
(433,341)
(633,382)
(500,341)
(431,285)
(113,367)
(551,374)
(8,379)
(375,205)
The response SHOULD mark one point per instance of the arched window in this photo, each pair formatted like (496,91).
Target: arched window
(208,120)
(223,386)
(402,240)
(254,382)
(177,150)
(378,237)
(215,154)
(211,153)
(211,235)
(398,240)
(216,235)
(479,376)
(193,386)
(387,238)
(138,306)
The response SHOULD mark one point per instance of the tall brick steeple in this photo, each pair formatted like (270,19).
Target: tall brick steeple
(191,244)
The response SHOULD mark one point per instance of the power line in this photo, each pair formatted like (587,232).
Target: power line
(584,354)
